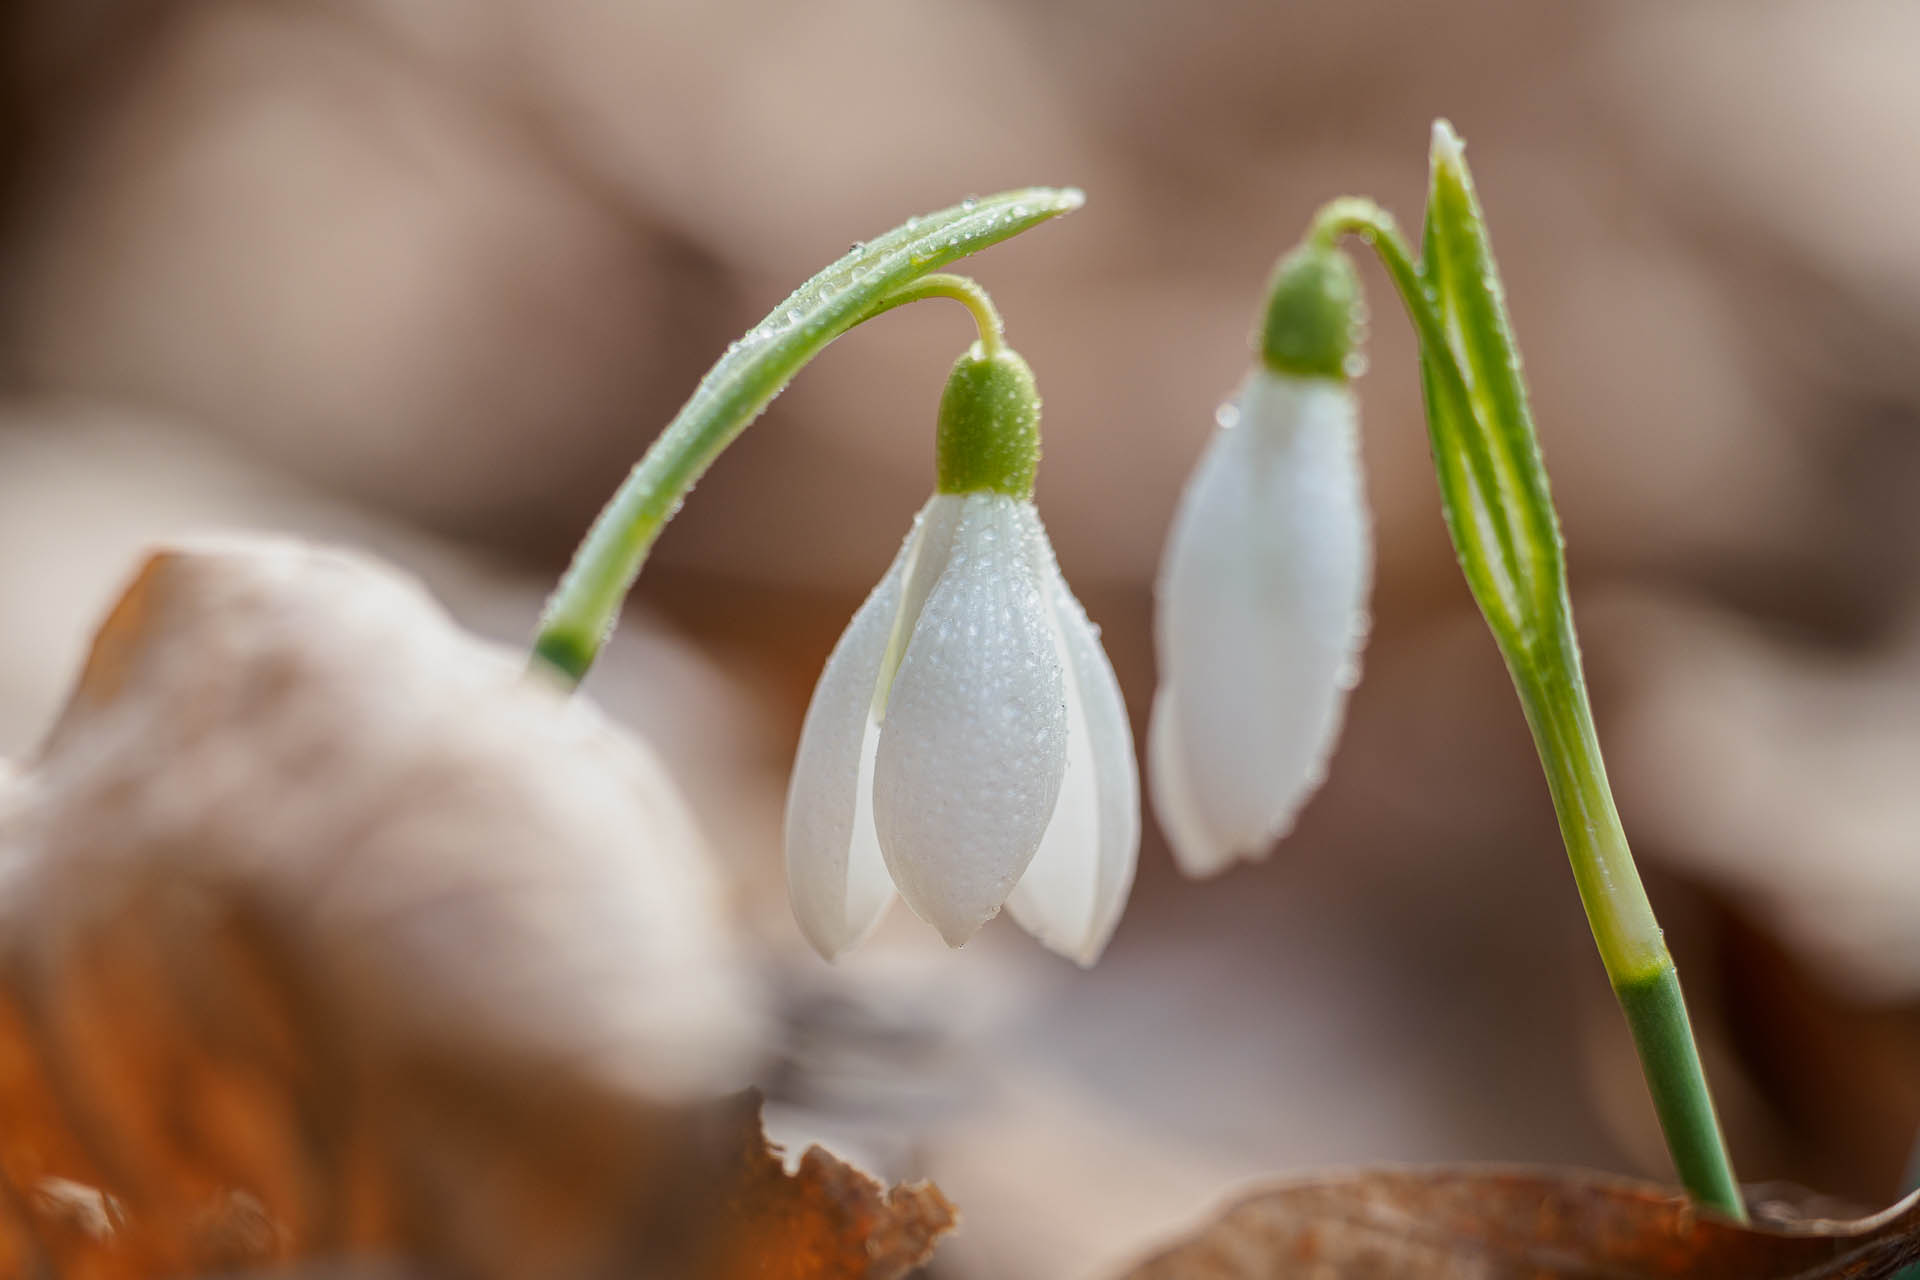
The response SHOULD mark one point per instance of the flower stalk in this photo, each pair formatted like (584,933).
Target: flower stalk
(871,279)
(968,293)
(1500,515)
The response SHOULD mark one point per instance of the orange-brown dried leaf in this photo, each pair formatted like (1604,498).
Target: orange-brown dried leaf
(1479,1224)
(327,935)
(826,1221)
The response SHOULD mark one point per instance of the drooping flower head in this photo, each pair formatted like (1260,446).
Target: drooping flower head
(1261,606)
(967,744)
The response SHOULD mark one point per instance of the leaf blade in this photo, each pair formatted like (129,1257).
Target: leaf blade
(1459,266)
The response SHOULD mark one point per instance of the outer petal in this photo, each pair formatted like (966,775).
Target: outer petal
(1262,614)
(1173,803)
(835,876)
(1072,895)
(973,744)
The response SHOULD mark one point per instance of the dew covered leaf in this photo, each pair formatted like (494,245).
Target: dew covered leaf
(1503,495)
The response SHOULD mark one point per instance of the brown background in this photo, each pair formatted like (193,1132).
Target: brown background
(426,275)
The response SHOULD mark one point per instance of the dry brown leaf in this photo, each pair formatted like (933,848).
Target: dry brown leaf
(1494,1224)
(744,1218)
(825,1221)
(828,1219)
(327,934)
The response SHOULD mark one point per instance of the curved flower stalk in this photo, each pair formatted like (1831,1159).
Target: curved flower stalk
(875,276)
(967,743)
(1262,600)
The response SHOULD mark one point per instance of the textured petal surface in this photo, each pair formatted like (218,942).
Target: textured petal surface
(835,876)
(935,526)
(1261,617)
(973,744)
(1073,893)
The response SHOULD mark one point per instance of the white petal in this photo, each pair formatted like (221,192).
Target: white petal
(935,526)
(1073,893)
(1261,617)
(835,876)
(973,744)
(1195,848)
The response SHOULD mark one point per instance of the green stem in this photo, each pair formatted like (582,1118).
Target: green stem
(1657,1014)
(1638,964)
(1544,662)
(1558,713)
(968,293)
(581,613)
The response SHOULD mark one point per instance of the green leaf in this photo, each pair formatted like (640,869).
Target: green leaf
(1493,490)
(735,391)
(1509,511)
(1493,485)
(1465,473)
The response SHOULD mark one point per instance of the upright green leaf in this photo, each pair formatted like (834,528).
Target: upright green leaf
(1511,551)
(1499,512)
(1483,543)
(1509,490)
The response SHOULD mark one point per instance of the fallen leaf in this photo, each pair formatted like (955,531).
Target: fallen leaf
(827,1220)
(327,934)
(1494,1224)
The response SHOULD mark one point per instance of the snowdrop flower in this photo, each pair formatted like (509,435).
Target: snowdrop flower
(967,743)
(1261,606)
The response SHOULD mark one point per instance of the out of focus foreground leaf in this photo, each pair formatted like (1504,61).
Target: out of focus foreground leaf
(327,936)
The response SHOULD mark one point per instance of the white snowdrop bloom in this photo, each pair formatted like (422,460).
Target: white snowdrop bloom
(1262,597)
(967,743)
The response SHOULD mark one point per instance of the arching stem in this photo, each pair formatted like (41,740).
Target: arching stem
(961,289)
(875,277)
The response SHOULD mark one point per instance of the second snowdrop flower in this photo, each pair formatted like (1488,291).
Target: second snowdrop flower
(967,743)
(1261,607)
